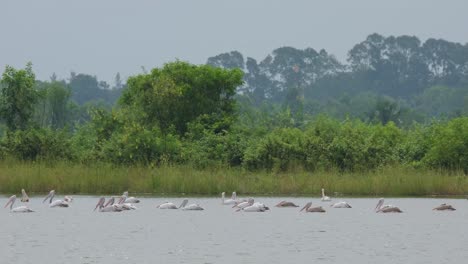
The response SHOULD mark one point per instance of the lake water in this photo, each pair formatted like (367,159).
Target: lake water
(220,235)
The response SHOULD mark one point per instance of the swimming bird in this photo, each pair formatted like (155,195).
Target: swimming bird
(256,207)
(286,204)
(106,208)
(130,199)
(19,209)
(341,205)
(444,207)
(184,206)
(233,199)
(242,205)
(168,205)
(309,209)
(324,197)
(24,196)
(120,204)
(56,203)
(381,208)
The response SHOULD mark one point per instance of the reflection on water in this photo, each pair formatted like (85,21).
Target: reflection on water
(218,234)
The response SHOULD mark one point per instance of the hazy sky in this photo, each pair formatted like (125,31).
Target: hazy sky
(103,37)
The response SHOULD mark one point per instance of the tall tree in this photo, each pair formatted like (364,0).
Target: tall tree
(18,97)
(181,92)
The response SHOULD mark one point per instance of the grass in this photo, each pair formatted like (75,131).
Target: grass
(101,178)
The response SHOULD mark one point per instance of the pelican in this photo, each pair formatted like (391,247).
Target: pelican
(242,205)
(121,205)
(256,207)
(286,204)
(24,196)
(184,206)
(129,199)
(324,197)
(56,203)
(233,199)
(381,208)
(106,208)
(19,209)
(168,205)
(309,209)
(444,207)
(341,205)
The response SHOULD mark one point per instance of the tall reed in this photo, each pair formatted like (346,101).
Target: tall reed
(103,178)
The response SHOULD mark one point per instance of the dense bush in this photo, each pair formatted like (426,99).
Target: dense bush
(449,145)
(38,143)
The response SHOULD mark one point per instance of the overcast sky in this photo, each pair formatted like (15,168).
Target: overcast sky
(103,37)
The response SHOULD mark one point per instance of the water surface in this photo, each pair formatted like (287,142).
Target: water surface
(220,235)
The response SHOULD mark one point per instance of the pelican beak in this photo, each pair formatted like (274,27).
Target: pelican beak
(10,201)
(100,203)
(184,203)
(306,206)
(121,200)
(50,195)
(111,201)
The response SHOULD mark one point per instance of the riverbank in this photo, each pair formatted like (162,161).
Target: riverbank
(177,180)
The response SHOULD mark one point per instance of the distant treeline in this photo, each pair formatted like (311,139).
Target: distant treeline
(397,79)
(184,114)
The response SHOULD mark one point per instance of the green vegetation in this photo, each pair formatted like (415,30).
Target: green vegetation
(289,125)
(177,180)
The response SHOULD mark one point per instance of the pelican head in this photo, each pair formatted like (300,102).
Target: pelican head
(100,203)
(125,194)
(379,204)
(110,202)
(122,199)
(307,206)
(24,196)
(50,195)
(11,201)
(184,203)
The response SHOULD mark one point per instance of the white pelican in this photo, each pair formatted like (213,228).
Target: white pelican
(286,204)
(121,205)
(24,196)
(19,209)
(130,199)
(341,205)
(444,207)
(233,199)
(168,205)
(108,208)
(324,197)
(184,206)
(56,203)
(308,208)
(241,205)
(256,207)
(381,208)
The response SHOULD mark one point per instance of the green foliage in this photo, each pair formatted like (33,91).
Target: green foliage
(134,144)
(278,150)
(179,93)
(205,147)
(54,108)
(18,97)
(449,145)
(38,144)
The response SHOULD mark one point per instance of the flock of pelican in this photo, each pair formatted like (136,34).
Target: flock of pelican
(124,202)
